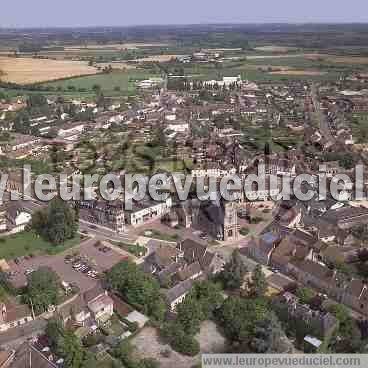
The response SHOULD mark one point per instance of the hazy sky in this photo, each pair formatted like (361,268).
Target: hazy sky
(26,13)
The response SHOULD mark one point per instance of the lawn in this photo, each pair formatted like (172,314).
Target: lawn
(155,234)
(28,243)
(360,128)
(134,249)
(116,82)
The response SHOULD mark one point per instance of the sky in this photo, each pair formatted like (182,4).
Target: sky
(75,13)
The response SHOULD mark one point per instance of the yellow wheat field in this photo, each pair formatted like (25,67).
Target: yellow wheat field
(28,70)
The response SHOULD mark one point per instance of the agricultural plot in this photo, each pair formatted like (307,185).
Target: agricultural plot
(29,70)
(123,82)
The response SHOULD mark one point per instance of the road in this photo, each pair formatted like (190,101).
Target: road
(324,126)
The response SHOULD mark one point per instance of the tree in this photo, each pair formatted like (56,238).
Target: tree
(42,289)
(54,331)
(208,294)
(234,272)
(179,340)
(148,363)
(71,350)
(339,311)
(258,283)
(138,288)
(190,315)
(239,317)
(123,352)
(268,333)
(57,223)
(305,295)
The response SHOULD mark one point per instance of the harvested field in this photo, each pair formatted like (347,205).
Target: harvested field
(27,70)
(117,65)
(356,60)
(158,58)
(274,48)
(277,56)
(299,72)
(116,46)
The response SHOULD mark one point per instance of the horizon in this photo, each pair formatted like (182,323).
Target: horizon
(286,23)
(83,14)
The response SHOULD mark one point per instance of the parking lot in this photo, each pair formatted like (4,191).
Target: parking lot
(88,251)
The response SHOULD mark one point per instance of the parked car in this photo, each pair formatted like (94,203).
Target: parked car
(203,236)
(29,271)
(76,265)
(68,259)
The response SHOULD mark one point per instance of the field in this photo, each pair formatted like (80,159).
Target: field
(28,70)
(115,46)
(26,243)
(299,72)
(274,48)
(121,81)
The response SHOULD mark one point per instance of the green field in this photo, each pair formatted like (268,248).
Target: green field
(28,243)
(109,82)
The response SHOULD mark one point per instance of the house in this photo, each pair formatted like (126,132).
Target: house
(346,217)
(6,358)
(318,322)
(19,142)
(261,248)
(147,210)
(13,315)
(161,258)
(109,214)
(30,355)
(99,303)
(193,252)
(351,292)
(17,216)
(88,308)
(3,225)
(269,188)
(177,294)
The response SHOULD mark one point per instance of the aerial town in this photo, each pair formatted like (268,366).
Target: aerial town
(97,283)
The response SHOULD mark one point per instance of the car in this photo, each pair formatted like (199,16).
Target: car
(76,265)
(16,261)
(29,271)
(68,259)
(203,236)
(86,269)
(92,273)
(242,214)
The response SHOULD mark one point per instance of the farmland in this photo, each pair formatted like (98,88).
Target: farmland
(116,81)
(29,70)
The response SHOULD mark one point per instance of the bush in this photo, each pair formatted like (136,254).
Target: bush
(244,231)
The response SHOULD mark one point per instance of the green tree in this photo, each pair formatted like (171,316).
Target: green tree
(179,340)
(54,331)
(42,289)
(148,363)
(208,294)
(258,283)
(71,350)
(305,295)
(234,272)
(267,337)
(138,288)
(239,317)
(57,223)
(190,315)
